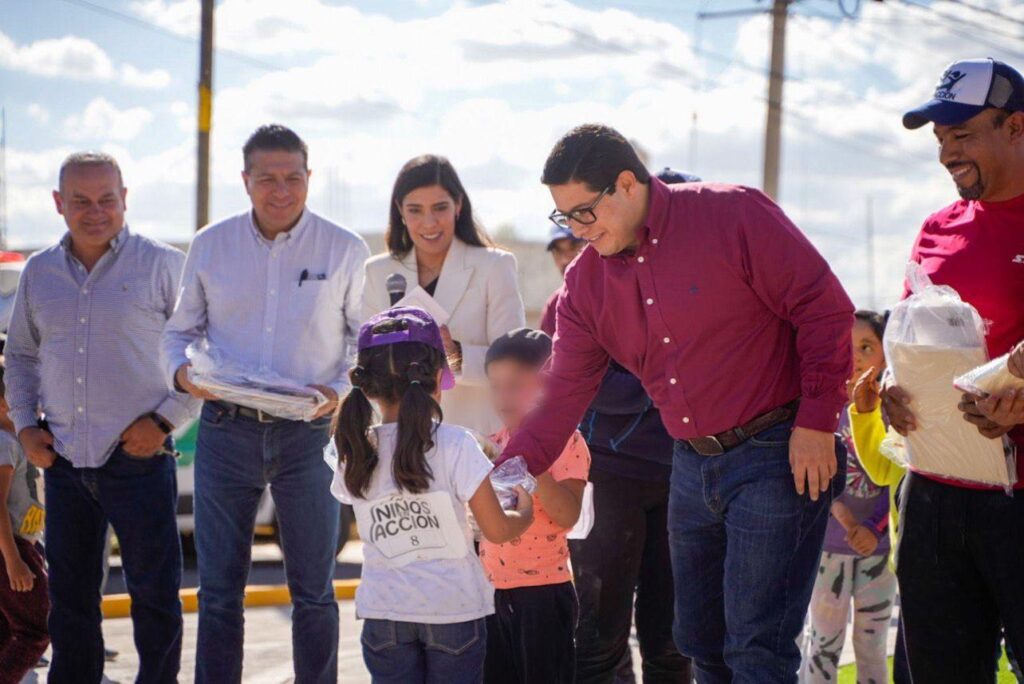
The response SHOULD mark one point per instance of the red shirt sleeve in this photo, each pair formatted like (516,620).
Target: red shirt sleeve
(577,366)
(810,297)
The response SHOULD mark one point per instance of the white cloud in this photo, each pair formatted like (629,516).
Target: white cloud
(38,113)
(101,120)
(74,58)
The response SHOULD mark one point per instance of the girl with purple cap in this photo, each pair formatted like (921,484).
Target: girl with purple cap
(423,595)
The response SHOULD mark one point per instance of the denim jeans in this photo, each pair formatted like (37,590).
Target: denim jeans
(138,497)
(415,653)
(745,550)
(623,562)
(236,459)
(959,563)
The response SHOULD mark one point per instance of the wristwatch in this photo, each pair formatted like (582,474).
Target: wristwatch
(164,426)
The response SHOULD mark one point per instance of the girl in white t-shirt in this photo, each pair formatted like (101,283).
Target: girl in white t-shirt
(423,593)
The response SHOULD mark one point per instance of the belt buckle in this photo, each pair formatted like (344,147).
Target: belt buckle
(718,450)
(262,417)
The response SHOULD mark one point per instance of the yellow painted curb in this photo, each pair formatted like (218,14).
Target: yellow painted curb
(257,595)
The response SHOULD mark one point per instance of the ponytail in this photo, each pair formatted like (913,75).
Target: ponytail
(352,438)
(416,415)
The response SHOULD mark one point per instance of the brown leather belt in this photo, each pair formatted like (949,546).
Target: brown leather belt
(716,445)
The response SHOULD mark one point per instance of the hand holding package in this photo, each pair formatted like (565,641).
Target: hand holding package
(933,337)
(509,475)
(993,377)
(263,390)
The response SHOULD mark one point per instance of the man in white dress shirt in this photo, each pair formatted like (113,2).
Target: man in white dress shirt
(275,288)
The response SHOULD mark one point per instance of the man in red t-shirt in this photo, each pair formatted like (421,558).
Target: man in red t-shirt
(960,559)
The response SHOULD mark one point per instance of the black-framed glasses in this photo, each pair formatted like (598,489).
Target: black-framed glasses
(583,216)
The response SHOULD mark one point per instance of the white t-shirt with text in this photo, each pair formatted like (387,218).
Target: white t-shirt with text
(419,564)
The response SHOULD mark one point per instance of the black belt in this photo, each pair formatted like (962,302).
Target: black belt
(235,410)
(716,445)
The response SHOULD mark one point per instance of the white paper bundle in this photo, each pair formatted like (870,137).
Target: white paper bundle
(933,337)
(993,377)
(256,389)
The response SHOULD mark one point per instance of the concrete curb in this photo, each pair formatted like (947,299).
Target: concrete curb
(257,595)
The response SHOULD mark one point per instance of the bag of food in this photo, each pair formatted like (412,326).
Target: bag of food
(993,377)
(509,475)
(931,338)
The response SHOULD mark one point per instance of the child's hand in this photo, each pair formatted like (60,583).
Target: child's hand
(841,513)
(866,392)
(524,504)
(20,575)
(862,540)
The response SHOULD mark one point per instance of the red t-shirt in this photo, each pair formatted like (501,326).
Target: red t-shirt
(977,248)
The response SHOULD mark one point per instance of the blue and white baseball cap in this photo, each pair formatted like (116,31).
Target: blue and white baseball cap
(560,233)
(966,89)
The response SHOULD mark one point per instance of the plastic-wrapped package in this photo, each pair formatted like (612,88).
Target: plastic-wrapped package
(509,475)
(263,390)
(993,377)
(933,337)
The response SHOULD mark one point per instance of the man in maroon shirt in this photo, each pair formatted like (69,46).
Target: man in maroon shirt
(960,559)
(740,334)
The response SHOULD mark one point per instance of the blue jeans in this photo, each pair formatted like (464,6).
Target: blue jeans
(745,550)
(236,459)
(139,498)
(414,653)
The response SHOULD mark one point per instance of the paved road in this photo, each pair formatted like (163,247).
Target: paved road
(268,631)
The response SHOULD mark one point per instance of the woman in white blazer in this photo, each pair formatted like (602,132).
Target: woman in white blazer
(434,243)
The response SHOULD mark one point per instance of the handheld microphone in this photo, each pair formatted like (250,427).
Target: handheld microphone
(395,285)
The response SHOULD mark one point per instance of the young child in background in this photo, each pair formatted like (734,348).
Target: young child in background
(23,600)
(855,560)
(530,637)
(423,594)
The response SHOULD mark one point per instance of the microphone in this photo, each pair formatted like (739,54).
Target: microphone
(395,285)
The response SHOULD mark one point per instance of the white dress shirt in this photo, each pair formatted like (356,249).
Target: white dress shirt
(83,346)
(290,305)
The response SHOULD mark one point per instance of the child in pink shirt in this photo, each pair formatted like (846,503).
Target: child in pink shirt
(530,637)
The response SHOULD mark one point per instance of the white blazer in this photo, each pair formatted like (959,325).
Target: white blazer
(479,287)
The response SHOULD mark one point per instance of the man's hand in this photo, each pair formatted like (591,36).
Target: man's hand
(21,577)
(1006,409)
(38,446)
(866,392)
(1015,364)
(975,416)
(862,540)
(896,404)
(812,456)
(332,401)
(181,380)
(143,438)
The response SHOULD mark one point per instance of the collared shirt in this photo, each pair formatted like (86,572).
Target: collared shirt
(290,305)
(724,311)
(83,346)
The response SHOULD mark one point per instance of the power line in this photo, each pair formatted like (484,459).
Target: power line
(150,26)
(949,17)
(987,10)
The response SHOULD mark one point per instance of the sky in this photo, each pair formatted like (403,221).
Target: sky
(492,85)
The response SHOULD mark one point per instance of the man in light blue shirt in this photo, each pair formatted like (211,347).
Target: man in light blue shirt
(90,406)
(276,288)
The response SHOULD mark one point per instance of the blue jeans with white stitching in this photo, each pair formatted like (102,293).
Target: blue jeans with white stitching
(745,549)
(404,652)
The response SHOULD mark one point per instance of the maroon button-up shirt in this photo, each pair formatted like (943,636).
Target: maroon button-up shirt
(724,311)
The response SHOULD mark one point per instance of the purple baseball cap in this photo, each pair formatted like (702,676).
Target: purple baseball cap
(419,327)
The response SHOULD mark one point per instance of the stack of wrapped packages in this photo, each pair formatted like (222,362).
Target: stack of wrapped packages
(932,338)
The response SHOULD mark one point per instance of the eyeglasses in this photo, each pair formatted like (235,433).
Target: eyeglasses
(583,216)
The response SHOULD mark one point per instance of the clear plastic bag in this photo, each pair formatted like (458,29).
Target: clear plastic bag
(263,390)
(932,337)
(509,475)
(992,378)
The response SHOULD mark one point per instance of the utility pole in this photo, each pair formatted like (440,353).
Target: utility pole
(205,115)
(773,126)
(869,243)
